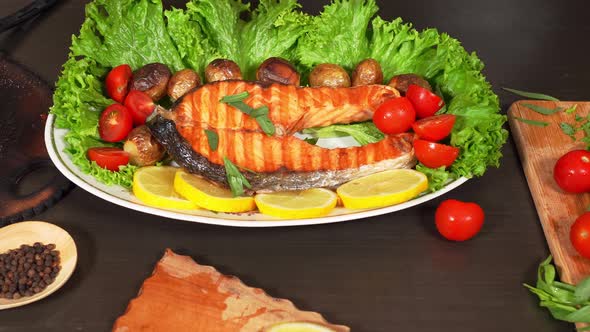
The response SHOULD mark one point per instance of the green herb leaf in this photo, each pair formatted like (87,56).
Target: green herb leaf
(579,118)
(213,139)
(532,95)
(260,111)
(235,178)
(543,110)
(311,140)
(267,126)
(572,109)
(582,293)
(533,122)
(568,129)
(235,98)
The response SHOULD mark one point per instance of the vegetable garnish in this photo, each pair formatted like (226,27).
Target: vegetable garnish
(565,302)
(364,133)
(568,129)
(213,139)
(543,110)
(311,140)
(572,109)
(532,95)
(235,178)
(533,122)
(260,114)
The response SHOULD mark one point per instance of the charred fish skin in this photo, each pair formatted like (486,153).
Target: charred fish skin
(165,132)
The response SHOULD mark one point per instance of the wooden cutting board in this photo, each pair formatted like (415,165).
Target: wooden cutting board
(182,295)
(539,149)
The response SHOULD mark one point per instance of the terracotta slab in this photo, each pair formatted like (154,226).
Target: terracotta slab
(182,295)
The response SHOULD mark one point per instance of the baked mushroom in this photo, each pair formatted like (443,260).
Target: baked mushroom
(367,72)
(402,82)
(182,82)
(142,147)
(330,75)
(152,79)
(222,70)
(277,70)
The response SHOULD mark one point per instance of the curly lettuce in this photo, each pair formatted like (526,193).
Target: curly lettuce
(138,32)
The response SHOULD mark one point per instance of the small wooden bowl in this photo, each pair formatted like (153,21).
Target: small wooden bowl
(29,232)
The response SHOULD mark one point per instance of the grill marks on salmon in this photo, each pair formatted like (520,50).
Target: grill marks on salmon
(291,108)
(260,153)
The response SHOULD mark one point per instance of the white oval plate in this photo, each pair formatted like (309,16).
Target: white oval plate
(54,140)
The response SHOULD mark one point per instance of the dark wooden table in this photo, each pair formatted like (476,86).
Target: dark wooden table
(387,273)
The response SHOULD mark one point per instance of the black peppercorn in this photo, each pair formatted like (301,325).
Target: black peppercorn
(28,270)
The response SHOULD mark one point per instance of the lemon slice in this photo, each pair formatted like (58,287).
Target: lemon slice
(309,203)
(298,327)
(382,189)
(209,195)
(154,185)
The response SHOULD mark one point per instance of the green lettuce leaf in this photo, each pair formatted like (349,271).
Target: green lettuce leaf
(78,101)
(364,133)
(273,31)
(126,31)
(338,35)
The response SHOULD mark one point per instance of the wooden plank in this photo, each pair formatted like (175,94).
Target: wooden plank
(539,149)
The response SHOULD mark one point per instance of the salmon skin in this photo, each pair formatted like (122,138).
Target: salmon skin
(298,166)
(291,108)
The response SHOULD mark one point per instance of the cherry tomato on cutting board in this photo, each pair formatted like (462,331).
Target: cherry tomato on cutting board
(458,221)
(434,128)
(395,116)
(115,123)
(109,158)
(580,235)
(572,171)
(425,102)
(435,155)
(140,105)
(117,82)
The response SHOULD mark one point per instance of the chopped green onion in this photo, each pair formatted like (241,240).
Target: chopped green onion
(543,110)
(533,122)
(235,178)
(235,98)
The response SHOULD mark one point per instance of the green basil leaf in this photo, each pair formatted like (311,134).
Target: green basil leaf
(243,107)
(532,95)
(533,122)
(543,110)
(260,111)
(213,139)
(235,98)
(579,118)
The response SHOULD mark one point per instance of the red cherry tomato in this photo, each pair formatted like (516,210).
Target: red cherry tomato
(117,82)
(435,155)
(572,171)
(425,102)
(140,105)
(458,221)
(115,123)
(580,235)
(434,128)
(109,158)
(395,116)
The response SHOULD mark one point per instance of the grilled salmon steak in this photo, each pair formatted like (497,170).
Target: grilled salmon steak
(282,161)
(291,108)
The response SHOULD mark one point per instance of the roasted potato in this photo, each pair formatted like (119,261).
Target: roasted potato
(142,147)
(367,72)
(152,79)
(182,82)
(277,70)
(331,75)
(222,70)
(402,82)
